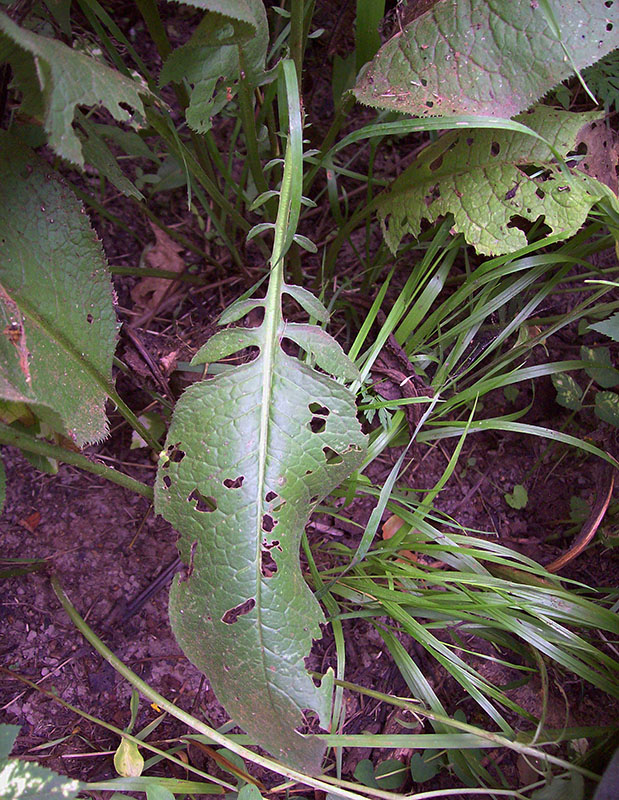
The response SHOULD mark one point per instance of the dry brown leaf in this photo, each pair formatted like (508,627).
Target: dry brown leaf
(163,254)
(168,362)
(390,528)
(30,522)
(602,154)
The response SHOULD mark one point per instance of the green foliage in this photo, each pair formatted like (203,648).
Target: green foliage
(280,437)
(65,324)
(489,180)
(229,42)
(424,766)
(24,780)
(601,370)
(518,498)
(128,761)
(55,79)
(603,80)
(607,407)
(569,393)
(389,774)
(487,58)
(609,327)
(254,448)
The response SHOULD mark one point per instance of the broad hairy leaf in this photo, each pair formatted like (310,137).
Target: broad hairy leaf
(23,780)
(55,79)
(486,57)
(58,331)
(249,454)
(230,41)
(490,180)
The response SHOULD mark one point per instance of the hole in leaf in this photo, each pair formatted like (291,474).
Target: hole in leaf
(540,193)
(270,496)
(89,319)
(234,484)
(203,503)
(226,668)
(175,454)
(519,222)
(424,82)
(310,724)
(317,424)
(232,614)
(609,26)
(268,565)
(436,163)
(331,456)
(268,523)
(495,148)
(316,408)
(167,482)
(429,104)
(433,194)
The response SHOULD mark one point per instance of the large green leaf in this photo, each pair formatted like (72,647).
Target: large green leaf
(55,79)
(59,329)
(486,57)
(248,455)
(230,41)
(489,179)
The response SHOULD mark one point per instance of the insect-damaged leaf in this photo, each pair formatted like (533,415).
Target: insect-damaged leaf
(58,330)
(55,79)
(492,182)
(486,57)
(249,454)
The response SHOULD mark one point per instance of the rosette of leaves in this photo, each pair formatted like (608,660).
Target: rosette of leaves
(249,454)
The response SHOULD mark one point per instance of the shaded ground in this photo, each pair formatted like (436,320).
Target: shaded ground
(105,545)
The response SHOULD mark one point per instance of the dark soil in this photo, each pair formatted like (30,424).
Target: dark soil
(105,544)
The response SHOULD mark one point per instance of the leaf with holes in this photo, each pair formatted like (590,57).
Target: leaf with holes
(58,329)
(55,79)
(487,57)
(495,183)
(249,454)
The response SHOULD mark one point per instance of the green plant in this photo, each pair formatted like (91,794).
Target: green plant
(255,448)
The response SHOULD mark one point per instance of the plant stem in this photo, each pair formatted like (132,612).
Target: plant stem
(336,125)
(13,437)
(150,14)
(296,37)
(108,726)
(327,784)
(197,725)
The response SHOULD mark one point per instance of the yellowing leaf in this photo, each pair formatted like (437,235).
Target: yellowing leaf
(128,760)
